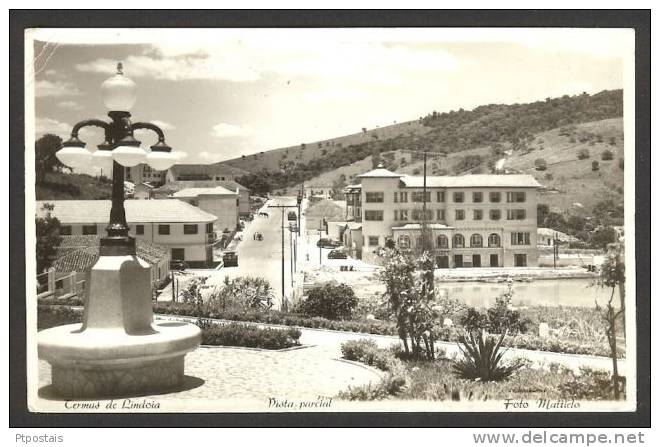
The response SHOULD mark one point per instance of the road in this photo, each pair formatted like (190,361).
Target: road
(264,258)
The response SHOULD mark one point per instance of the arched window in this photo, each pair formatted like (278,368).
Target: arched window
(442,241)
(459,241)
(404,241)
(476,241)
(494,240)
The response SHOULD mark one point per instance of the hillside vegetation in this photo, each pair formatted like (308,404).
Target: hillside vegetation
(64,186)
(468,139)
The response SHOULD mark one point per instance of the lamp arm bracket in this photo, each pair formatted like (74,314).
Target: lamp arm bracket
(89,123)
(149,126)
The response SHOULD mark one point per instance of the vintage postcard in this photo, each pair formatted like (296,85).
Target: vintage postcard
(330,220)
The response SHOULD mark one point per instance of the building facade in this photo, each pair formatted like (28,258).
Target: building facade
(221,202)
(143,173)
(470,221)
(170,188)
(185,231)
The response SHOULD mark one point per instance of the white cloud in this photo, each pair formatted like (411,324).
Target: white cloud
(49,125)
(224,130)
(69,105)
(55,88)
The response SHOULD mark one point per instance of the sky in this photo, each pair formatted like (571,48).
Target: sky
(222,93)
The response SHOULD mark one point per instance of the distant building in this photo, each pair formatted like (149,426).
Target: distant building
(322,191)
(184,230)
(474,220)
(143,173)
(215,171)
(547,236)
(221,202)
(143,191)
(170,188)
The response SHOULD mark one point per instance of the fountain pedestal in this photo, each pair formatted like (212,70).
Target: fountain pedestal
(117,350)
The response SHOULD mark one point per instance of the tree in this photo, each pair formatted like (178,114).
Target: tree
(45,159)
(583,154)
(542,211)
(331,300)
(540,164)
(604,236)
(555,221)
(613,275)
(48,238)
(595,166)
(607,155)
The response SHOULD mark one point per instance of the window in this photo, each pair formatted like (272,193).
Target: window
(516,214)
(403,197)
(418,196)
(190,229)
(375,197)
(459,197)
(403,241)
(495,214)
(477,197)
(164,229)
(65,230)
(419,214)
(396,197)
(373,241)
(458,241)
(89,229)
(495,197)
(476,241)
(209,227)
(373,215)
(520,239)
(520,260)
(515,196)
(440,214)
(478,215)
(494,240)
(403,214)
(139,229)
(460,215)
(442,241)
(178,254)
(440,196)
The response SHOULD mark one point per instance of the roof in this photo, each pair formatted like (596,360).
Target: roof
(145,184)
(80,253)
(416,226)
(472,181)
(98,211)
(172,187)
(196,192)
(549,232)
(353,226)
(380,173)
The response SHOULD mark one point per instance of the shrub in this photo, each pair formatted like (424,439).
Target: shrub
(621,163)
(503,320)
(332,301)
(583,154)
(251,336)
(595,166)
(482,358)
(51,316)
(540,164)
(607,155)
(474,320)
(591,384)
(356,349)
(549,176)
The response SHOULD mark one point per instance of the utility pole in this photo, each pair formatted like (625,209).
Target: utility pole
(320,248)
(282,208)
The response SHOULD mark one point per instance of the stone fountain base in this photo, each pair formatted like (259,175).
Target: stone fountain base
(117,350)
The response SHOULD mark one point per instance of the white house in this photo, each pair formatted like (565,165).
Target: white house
(184,230)
(219,201)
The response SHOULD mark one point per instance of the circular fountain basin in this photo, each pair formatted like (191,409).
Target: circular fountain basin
(108,362)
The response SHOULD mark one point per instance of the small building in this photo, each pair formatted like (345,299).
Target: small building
(214,171)
(319,190)
(143,173)
(185,231)
(547,237)
(143,191)
(221,202)
(170,188)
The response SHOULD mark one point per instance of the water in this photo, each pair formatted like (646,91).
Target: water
(548,292)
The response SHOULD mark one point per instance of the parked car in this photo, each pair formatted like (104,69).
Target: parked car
(325,242)
(178,265)
(230,259)
(337,254)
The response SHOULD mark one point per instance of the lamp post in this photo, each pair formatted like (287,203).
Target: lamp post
(118,349)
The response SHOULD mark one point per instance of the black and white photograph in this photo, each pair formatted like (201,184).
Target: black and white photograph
(330,219)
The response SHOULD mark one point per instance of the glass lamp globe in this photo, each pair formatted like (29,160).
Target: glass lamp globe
(74,156)
(161,161)
(129,155)
(119,92)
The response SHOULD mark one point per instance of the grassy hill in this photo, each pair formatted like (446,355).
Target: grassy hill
(63,186)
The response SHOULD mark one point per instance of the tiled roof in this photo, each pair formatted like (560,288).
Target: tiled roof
(195,192)
(80,253)
(472,181)
(137,211)
(380,173)
(172,187)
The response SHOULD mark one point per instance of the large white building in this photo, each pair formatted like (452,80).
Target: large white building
(184,230)
(472,220)
(221,202)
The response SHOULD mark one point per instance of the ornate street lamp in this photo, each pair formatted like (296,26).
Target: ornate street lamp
(121,149)
(118,350)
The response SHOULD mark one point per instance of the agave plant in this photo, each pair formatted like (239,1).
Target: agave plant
(482,358)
